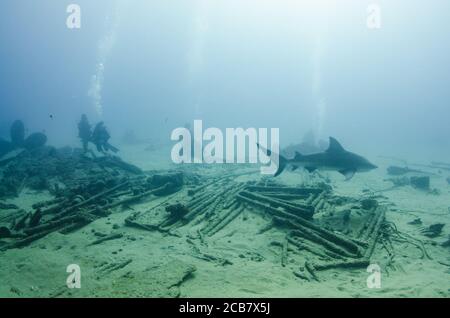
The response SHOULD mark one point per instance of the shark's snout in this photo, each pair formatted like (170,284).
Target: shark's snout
(367,166)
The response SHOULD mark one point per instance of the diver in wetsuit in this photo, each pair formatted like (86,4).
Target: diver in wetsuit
(84,132)
(100,138)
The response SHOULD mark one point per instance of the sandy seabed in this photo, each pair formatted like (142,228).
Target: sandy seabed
(151,264)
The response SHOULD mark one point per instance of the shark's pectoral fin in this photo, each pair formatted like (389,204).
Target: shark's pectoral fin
(348,173)
(294,168)
(311,169)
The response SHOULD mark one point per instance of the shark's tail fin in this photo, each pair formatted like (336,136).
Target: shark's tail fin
(298,156)
(282,161)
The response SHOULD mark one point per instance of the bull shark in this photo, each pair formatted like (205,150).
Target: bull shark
(335,158)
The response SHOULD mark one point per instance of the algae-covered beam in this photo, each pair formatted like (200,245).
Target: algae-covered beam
(300,210)
(224,221)
(92,199)
(290,190)
(310,235)
(374,235)
(135,198)
(284,252)
(359,263)
(298,222)
(107,238)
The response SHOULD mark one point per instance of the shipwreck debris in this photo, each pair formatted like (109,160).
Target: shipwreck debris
(420,183)
(400,171)
(433,230)
(315,227)
(91,189)
(110,237)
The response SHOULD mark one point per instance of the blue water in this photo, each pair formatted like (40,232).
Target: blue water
(294,65)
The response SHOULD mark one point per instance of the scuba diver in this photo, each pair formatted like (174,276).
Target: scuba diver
(84,132)
(100,138)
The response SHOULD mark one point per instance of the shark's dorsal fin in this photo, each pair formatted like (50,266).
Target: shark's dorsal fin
(335,146)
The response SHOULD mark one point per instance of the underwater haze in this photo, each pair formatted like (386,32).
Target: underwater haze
(151,66)
(92,93)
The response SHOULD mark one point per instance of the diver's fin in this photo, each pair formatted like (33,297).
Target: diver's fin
(348,173)
(335,146)
(311,169)
(112,148)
